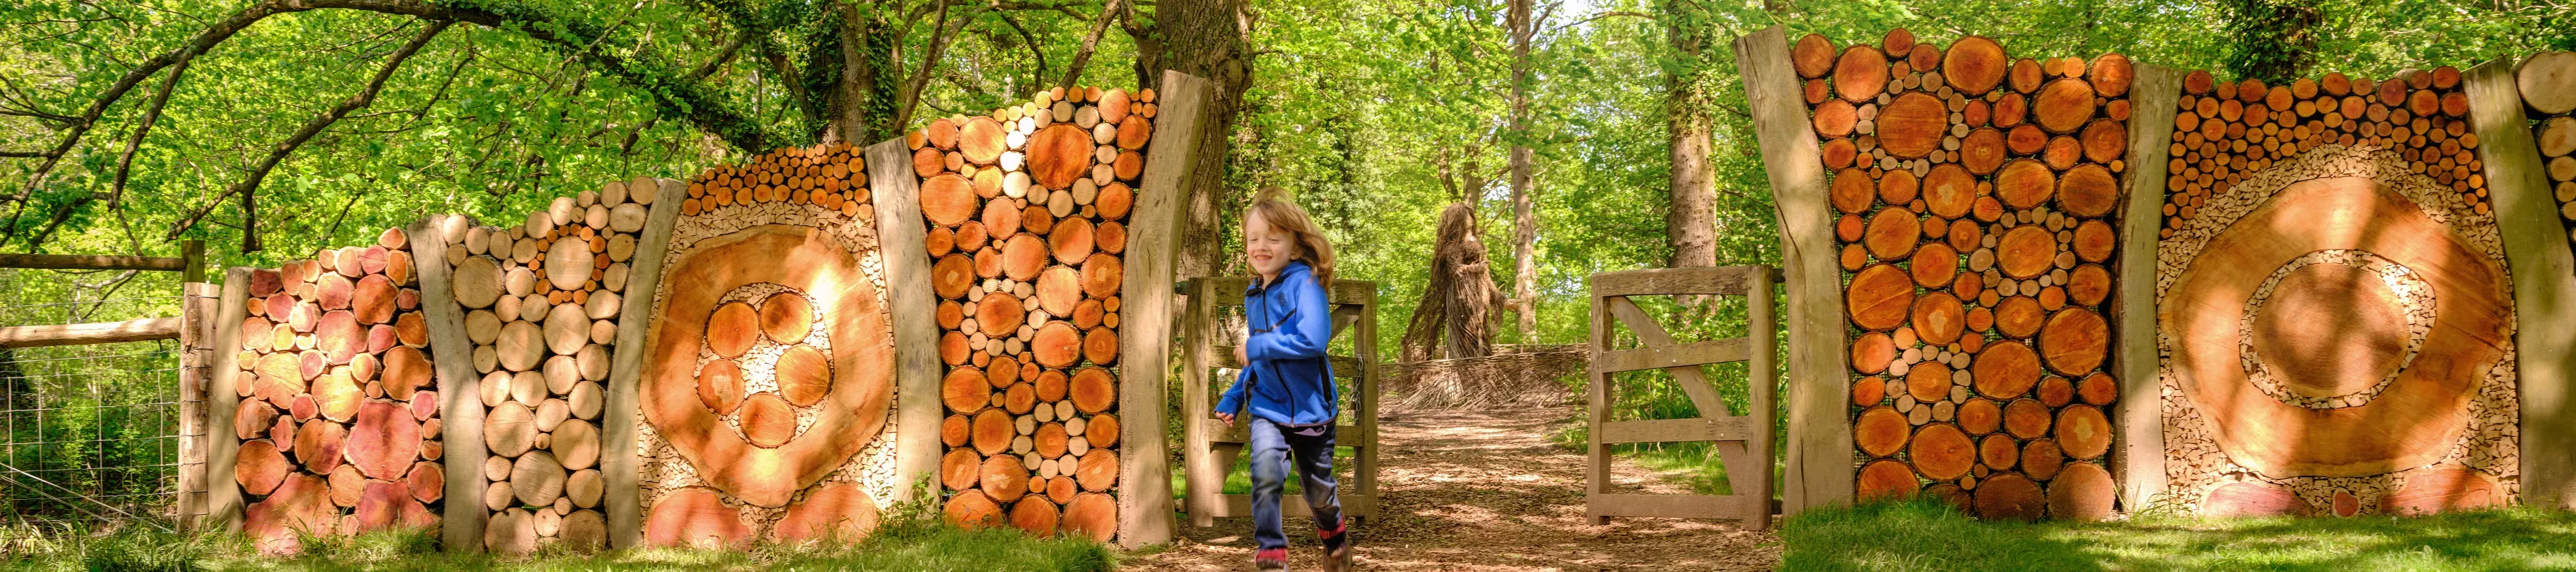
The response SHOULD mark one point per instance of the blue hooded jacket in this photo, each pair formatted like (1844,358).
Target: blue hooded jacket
(1288,382)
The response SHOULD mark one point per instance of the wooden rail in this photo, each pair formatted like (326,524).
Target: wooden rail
(1743,441)
(95,333)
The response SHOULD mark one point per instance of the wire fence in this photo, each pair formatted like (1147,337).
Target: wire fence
(89,434)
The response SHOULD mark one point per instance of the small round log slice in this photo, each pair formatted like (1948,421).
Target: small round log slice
(2063,105)
(1071,240)
(299,507)
(1980,416)
(1003,478)
(1035,515)
(2098,389)
(767,420)
(319,444)
(536,479)
(1860,74)
(2010,496)
(2094,241)
(693,516)
(952,275)
(1000,315)
(1093,389)
(2081,492)
(838,510)
(2005,370)
(1912,126)
(510,429)
(982,140)
(971,509)
(2041,459)
(1059,289)
(2026,418)
(1928,382)
(2545,79)
(259,467)
(1023,256)
(1094,515)
(804,375)
(960,469)
(1058,344)
(2026,251)
(947,199)
(584,531)
(964,390)
(1100,345)
(1974,65)
(1886,479)
(1812,56)
(993,432)
(576,444)
(2075,341)
(1939,318)
(1880,297)
(1892,234)
(1949,191)
(720,386)
(2088,190)
(1059,154)
(384,440)
(386,505)
(1941,452)
(732,329)
(1102,431)
(786,317)
(1101,275)
(1871,352)
(1098,470)
(2019,316)
(1999,452)
(2024,183)
(2083,432)
(1880,431)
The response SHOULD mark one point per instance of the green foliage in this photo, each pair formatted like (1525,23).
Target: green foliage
(1931,535)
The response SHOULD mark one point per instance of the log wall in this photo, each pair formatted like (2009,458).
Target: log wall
(1027,210)
(337,416)
(2311,369)
(1976,197)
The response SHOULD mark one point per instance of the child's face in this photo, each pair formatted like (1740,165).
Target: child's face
(1266,247)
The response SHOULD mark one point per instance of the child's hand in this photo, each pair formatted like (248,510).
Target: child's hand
(1239,357)
(1228,418)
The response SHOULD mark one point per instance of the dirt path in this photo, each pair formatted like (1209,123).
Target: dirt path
(1485,491)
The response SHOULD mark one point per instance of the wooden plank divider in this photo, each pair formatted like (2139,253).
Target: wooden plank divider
(1819,464)
(2544,283)
(622,492)
(1673,430)
(460,407)
(1145,504)
(146,329)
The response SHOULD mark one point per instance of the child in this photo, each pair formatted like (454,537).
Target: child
(1285,379)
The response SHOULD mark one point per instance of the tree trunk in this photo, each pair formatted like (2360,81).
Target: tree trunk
(1690,225)
(1209,39)
(1524,224)
(863,112)
(2275,40)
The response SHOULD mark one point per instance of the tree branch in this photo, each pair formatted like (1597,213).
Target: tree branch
(125,161)
(941,34)
(1073,73)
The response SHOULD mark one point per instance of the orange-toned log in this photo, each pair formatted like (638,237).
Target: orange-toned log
(2088,190)
(993,432)
(972,509)
(2098,389)
(339,336)
(299,507)
(1003,478)
(1880,431)
(2024,183)
(1051,385)
(2026,251)
(407,371)
(2111,75)
(1100,346)
(384,440)
(1000,315)
(1093,389)
(1058,155)
(1885,478)
(1102,431)
(2055,392)
(2442,489)
(767,420)
(372,299)
(1050,440)
(2083,432)
(1111,236)
(1871,352)
(786,317)
(1913,125)
(1928,381)
(1070,240)
(1059,289)
(258,466)
(1002,216)
(1999,452)
(1812,56)
(960,469)
(1092,514)
(2026,418)
(947,199)
(1098,470)
(1853,191)
(1057,344)
(1892,234)
(2094,241)
(336,396)
(2075,341)
(2063,105)
(1974,65)
(1035,515)
(1019,398)
(1950,190)
(1980,416)
(1114,200)
(732,329)
(1941,452)
(1880,297)
(1860,74)
(2041,459)
(428,481)
(953,431)
(2010,496)
(1023,256)
(804,375)
(1939,318)
(981,140)
(2253,499)
(693,516)
(2019,316)
(1102,274)
(318,445)
(950,277)
(2105,140)
(1834,118)
(385,505)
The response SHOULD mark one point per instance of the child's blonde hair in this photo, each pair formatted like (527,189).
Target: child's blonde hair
(1272,205)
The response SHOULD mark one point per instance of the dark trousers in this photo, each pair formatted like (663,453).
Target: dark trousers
(1271,448)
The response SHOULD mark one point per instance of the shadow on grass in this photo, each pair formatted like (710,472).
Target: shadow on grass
(1928,535)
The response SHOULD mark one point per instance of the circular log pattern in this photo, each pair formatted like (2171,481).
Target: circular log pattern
(2010,496)
(1912,125)
(2007,369)
(2024,183)
(2063,105)
(2075,341)
(1880,297)
(2083,432)
(1941,452)
(2026,418)
(1892,234)
(1860,74)
(1880,431)
(1885,478)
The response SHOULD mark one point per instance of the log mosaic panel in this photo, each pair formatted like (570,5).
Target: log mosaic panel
(339,416)
(2548,85)
(1026,209)
(1977,197)
(540,300)
(768,380)
(2312,368)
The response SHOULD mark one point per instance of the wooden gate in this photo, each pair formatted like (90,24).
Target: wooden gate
(1212,447)
(1743,441)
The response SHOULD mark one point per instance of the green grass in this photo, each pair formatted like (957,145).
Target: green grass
(923,545)
(1928,535)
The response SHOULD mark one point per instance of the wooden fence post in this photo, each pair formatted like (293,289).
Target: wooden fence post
(196,351)
(618,420)
(460,400)
(2139,461)
(1819,465)
(2544,283)
(1145,506)
(223,499)
(901,231)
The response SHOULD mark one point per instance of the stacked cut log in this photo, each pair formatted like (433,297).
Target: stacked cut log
(2388,176)
(1026,212)
(2548,84)
(1977,198)
(2226,131)
(541,301)
(339,416)
(768,368)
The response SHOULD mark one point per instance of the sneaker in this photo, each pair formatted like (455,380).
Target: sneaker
(1338,558)
(1270,559)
